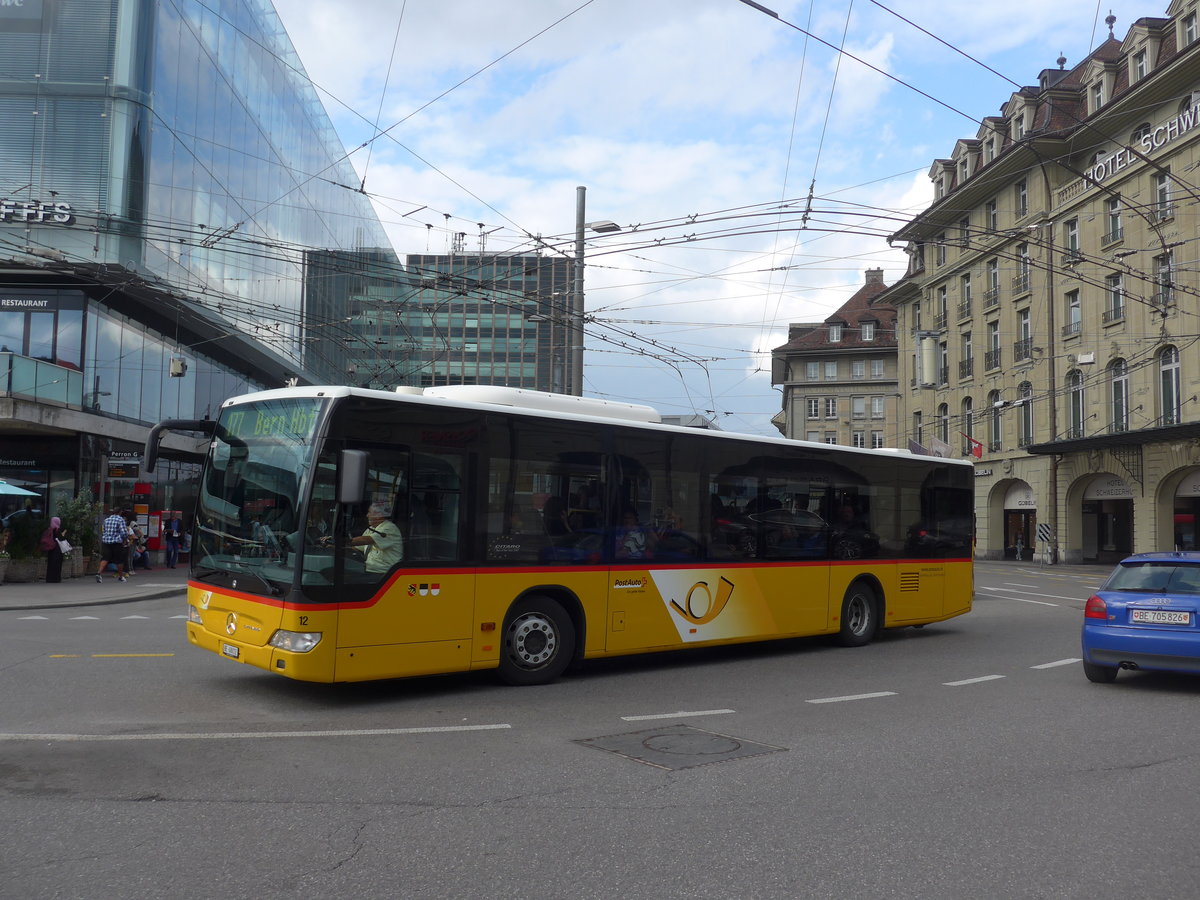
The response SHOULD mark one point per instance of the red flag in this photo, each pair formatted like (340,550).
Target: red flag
(976,446)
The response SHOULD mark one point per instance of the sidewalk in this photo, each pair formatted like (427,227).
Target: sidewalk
(145,585)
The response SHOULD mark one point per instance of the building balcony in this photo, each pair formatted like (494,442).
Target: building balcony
(43,382)
(964,310)
(966,367)
(991,359)
(991,298)
(995,446)
(939,321)
(1023,349)
(943,376)
(1020,283)
(1111,237)
(1164,298)
(1118,427)
(1071,258)
(1162,212)
(1072,329)
(1114,314)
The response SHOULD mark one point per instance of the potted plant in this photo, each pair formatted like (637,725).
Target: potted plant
(79,518)
(27,561)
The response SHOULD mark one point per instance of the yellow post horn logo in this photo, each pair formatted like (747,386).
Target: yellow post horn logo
(708,608)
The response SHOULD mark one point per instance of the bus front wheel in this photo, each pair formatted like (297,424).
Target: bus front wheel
(860,616)
(539,642)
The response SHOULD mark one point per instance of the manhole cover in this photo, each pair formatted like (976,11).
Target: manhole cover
(678,747)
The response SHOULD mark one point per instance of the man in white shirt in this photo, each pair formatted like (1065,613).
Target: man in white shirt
(383,540)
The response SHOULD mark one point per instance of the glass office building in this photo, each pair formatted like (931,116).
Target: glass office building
(165,168)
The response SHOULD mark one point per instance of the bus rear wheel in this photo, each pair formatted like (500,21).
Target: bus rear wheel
(860,616)
(539,642)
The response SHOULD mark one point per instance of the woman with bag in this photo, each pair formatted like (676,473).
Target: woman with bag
(53,540)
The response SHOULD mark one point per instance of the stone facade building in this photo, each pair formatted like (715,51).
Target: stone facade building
(839,376)
(1051,306)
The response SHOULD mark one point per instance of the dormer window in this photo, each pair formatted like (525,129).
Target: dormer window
(867,331)
(1139,67)
(1019,125)
(835,334)
(1188,28)
(962,170)
(1097,95)
(989,150)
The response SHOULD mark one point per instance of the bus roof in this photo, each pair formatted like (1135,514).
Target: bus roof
(552,406)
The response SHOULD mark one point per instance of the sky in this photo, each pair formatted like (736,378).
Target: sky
(701,127)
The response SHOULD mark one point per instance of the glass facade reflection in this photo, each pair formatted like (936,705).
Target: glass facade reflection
(165,170)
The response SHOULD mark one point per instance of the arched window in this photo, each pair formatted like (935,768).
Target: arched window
(1025,429)
(1075,403)
(1168,379)
(995,432)
(943,422)
(1118,374)
(1143,130)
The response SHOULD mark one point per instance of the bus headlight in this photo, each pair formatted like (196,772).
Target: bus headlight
(194,615)
(295,641)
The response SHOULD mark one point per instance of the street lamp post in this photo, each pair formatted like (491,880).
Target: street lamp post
(575,326)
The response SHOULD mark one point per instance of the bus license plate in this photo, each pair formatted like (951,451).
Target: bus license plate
(230,650)
(1160,617)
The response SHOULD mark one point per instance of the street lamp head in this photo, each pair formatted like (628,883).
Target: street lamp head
(603,227)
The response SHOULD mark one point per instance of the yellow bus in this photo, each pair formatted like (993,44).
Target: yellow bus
(345,534)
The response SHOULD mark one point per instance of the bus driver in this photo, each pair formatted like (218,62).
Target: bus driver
(383,541)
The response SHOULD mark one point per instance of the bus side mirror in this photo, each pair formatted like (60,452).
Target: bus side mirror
(352,476)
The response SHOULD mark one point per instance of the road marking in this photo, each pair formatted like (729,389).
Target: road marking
(179,617)
(972,680)
(853,697)
(679,715)
(129,655)
(135,617)
(26,618)
(1036,594)
(1018,584)
(77,618)
(1023,600)
(1057,662)
(242,735)
(64,656)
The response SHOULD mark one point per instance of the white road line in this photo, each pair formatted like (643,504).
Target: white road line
(179,617)
(1018,584)
(135,617)
(678,715)
(41,618)
(239,735)
(1056,663)
(1034,593)
(1022,599)
(853,697)
(92,618)
(972,680)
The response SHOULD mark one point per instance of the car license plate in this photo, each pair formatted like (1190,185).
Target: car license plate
(230,650)
(1160,617)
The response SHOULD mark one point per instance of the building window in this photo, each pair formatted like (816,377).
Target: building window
(963,169)
(876,440)
(1162,196)
(964,231)
(967,424)
(939,317)
(1097,95)
(867,331)
(1118,375)
(831,371)
(1114,298)
(1168,371)
(1021,280)
(1023,346)
(940,249)
(877,407)
(1025,421)
(1139,66)
(1138,134)
(1163,279)
(995,432)
(992,216)
(812,371)
(966,362)
(917,425)
(831,437)
(1074,315)
(991,356)
(858,407)
(858,369)
(992,295)
(814,436)
(943,363)
(877,368)
(1189,28)
(831,407)
(964,285)
(943,423)
(1022,204)
(858,439)
(1075,402)
(814,407)
(1112,219)
(835,334)
(1071,238)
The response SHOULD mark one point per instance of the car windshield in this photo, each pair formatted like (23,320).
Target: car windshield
(250,493)
(1155,578)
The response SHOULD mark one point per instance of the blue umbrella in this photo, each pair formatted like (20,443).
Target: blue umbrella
(13,491)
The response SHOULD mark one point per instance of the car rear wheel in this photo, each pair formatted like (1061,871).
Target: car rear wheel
(1099,674)
(860,616)
(539,642)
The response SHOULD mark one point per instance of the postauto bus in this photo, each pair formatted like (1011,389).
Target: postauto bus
(345,534)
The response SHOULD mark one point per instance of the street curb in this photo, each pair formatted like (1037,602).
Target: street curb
(155,595)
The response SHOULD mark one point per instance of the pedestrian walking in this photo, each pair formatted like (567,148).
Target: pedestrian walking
(173,536)
(114,537)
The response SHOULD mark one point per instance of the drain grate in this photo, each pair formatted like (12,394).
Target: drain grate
(674,747)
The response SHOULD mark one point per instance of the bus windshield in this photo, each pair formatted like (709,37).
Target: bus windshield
(251,493)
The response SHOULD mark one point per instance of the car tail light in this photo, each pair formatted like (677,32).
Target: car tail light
(1095,609)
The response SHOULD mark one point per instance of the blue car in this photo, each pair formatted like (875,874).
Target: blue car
(1145,616)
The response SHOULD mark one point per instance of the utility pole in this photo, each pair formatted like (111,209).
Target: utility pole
(574,330)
